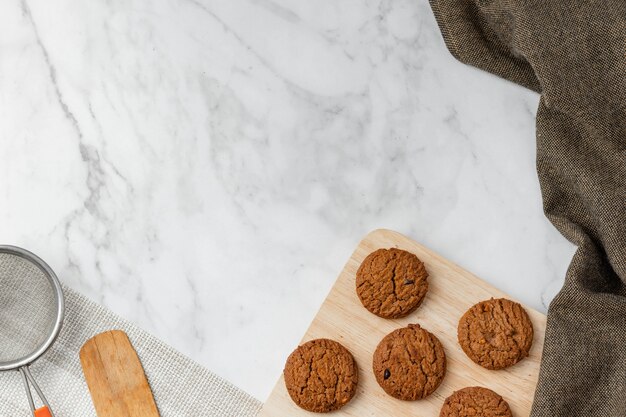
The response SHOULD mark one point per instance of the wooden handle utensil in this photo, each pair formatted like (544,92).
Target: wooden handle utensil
(116,378)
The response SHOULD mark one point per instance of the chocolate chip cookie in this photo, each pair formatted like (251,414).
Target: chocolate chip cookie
(321,376)
(391,283)
(496,333)
(409,363)
(474,402)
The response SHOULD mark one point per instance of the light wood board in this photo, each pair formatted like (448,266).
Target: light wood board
(452,291)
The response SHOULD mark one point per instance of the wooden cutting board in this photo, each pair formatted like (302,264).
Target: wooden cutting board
(452,291)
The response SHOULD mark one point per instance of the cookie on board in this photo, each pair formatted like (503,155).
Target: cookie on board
(496,333)
(409,363)
(321,375)
(391,283)
(474,402)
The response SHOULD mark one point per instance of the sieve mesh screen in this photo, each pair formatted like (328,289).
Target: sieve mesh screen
(27,307)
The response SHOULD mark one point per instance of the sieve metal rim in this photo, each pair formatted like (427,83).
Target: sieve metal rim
(60,304)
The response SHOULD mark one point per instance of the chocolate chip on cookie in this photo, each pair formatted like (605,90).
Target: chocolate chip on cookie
(473,402)
(321,376)
(391,283)
(496,333)
(409,363)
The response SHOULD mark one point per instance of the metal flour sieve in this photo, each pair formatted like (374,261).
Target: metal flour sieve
(31,314)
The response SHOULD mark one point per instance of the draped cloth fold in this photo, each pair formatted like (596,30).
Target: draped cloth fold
(574,54)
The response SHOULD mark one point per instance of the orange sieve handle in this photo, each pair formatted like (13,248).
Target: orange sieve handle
(43,412)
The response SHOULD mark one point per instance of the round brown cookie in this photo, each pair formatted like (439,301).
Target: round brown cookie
(409,363)
(474,402)
(496,333)
(391,283)
(321,375)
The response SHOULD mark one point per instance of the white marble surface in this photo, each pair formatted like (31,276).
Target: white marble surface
(205,168)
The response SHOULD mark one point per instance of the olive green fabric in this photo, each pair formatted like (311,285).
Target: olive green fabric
(574,54)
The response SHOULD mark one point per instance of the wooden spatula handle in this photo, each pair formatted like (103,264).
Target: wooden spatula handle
(115,377)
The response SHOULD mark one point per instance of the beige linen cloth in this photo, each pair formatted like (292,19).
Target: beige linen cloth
(180,386)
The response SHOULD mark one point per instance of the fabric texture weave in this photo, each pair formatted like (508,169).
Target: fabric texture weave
(180,386)
(574,54)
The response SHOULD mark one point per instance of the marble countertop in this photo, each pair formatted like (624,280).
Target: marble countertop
(204,168)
